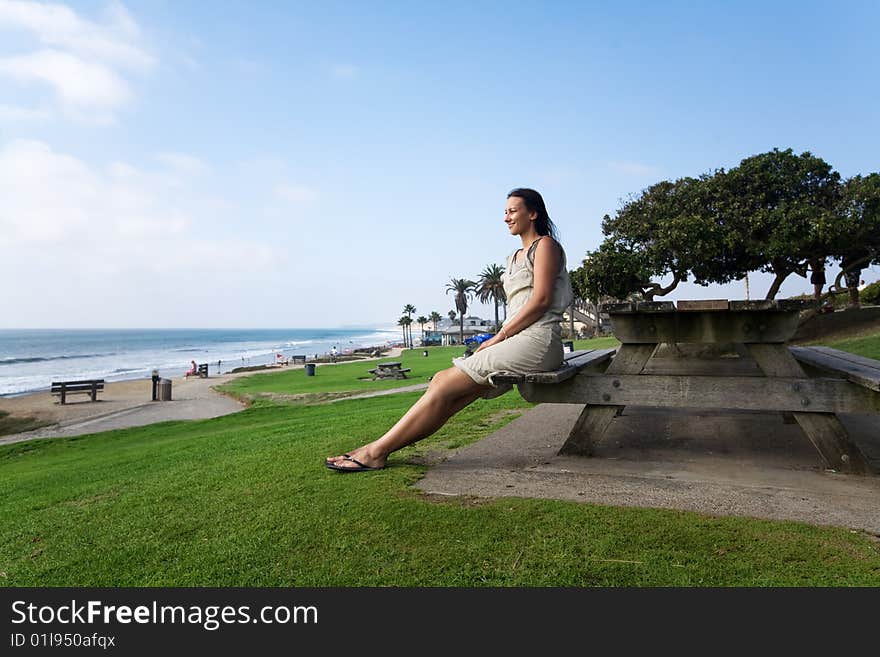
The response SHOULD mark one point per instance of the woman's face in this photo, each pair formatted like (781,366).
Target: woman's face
(517,217)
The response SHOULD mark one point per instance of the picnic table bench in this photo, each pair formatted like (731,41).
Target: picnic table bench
(389,371)
(766,376)
(90,387)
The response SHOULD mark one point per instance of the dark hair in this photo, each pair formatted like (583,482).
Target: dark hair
(535,203)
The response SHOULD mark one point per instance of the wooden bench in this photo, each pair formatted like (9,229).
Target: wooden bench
(296,359)
(857,369)
(572,364)
(203,371)
(89,387)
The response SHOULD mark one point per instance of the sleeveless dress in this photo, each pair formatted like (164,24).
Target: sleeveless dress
(538,347)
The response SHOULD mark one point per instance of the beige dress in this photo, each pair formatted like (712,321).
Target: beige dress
(538,347)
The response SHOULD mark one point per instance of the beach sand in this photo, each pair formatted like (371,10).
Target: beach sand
(125,404)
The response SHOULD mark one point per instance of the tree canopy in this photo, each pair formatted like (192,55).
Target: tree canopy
(775,212)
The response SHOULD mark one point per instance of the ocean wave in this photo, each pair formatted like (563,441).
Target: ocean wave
(42,359)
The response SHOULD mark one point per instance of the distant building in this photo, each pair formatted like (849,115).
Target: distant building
(472,326)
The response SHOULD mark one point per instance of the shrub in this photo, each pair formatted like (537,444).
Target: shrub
(871,294)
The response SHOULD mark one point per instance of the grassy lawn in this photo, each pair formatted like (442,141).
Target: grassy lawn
(867,346)
(244,500)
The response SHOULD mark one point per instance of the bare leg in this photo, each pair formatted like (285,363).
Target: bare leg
(450,391)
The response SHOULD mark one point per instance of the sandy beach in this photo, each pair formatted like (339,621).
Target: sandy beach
(125,404)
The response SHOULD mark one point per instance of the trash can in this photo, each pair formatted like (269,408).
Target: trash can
(310,369)
(164,389)
(568,347)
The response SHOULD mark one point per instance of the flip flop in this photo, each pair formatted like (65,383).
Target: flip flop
(360,466)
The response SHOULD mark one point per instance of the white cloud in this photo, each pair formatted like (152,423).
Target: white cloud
(123,217)
(295,193)
(10,114)
(635,169)
(187,165)
(85,64)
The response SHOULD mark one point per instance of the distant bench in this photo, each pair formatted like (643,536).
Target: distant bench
(201,371)
(298,359)
(89,387)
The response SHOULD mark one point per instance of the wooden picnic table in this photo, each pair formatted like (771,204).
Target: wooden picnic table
(391,370)
(766,376)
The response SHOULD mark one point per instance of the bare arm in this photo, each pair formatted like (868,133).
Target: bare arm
(546,267)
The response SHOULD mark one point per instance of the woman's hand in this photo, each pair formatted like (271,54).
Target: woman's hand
(495,339)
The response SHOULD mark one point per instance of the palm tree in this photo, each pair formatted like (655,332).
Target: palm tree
(463,289)
(422,320)
(402,322)
(435,319)
(491,287)
(451,315)
(407,322)
(408,310)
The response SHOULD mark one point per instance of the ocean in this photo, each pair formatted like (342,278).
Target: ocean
(30,360)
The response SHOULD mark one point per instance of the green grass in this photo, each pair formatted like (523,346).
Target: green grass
(346,377)
(244,500)
(867,346)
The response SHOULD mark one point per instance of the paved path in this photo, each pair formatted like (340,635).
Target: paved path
(742,464)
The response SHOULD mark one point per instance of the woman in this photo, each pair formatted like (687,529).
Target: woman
(538,291)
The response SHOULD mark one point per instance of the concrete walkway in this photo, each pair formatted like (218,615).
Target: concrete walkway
(739,463)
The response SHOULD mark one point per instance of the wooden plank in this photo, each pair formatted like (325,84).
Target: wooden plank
(577,362)
(780,305)
(743,393)
(702,304)
(703,366)
(705,327)
(594,420)
(655,307)
(862,371)
(824,430)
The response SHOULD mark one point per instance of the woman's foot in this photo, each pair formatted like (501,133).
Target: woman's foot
(358,460)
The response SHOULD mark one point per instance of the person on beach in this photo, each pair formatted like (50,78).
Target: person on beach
(193,370)
(538,292)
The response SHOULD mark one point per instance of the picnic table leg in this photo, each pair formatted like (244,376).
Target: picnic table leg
(824,430)
(594,419)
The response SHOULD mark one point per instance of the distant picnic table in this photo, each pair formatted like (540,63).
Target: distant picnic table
(392,370)
(767,376)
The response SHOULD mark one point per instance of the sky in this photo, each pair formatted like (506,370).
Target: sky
(282,164)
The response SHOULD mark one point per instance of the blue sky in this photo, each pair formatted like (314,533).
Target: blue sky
(323,164)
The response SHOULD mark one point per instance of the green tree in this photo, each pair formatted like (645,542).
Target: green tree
(463,289)
(435,319)
(422,320)
(857,243)
(491,287)
(672,228)
(782,208)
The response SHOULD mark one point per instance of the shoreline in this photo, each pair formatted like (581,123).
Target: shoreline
(139,376)
(129,403)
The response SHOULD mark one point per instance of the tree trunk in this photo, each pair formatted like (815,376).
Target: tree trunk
(777,283)
(852,287)
(496,313)
(571,318)
(461,329)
